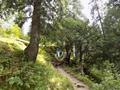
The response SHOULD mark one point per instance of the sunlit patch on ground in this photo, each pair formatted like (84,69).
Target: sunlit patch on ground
(41,75)
(41,59)
(13,41)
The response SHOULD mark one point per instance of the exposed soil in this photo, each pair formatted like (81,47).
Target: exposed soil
(78,85)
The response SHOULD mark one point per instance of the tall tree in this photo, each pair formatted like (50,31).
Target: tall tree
(112,30)
(97,14)
(32,49)
(43,13)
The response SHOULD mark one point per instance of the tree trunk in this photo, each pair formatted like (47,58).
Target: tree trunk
(68,54)
(32,49)
(75,52)
(81,60)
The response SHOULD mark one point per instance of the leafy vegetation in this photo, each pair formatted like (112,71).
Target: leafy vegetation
(17,74)
(59,33)
(13,31)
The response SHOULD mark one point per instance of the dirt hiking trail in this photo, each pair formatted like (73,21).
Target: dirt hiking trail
(77,85)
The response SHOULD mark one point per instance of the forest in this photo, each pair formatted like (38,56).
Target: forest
(57,45)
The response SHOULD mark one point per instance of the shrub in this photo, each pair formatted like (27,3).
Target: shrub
(110,78)
(13,31)
(16,74)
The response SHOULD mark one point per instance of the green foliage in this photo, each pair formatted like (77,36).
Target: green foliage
(15,80)
(108,84)
(12,31)
(83,78)
(109,76)
(99,54)
(97,75)
(16,74)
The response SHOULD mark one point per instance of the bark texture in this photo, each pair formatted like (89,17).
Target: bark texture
(68,53)
(32,49)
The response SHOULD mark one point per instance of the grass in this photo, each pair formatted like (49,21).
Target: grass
(16,74)
(83,78)
(109,80)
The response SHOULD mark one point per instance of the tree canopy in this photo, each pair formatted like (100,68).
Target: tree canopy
(91,51)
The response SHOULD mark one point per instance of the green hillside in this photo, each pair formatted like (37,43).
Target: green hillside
(16,74)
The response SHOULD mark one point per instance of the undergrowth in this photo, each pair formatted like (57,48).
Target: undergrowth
(83,78)
(108,76)
(17,74)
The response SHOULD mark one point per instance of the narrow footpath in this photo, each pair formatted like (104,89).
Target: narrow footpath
(76,83)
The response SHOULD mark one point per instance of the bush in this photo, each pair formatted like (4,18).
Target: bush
(16,74)
(13,31)
(110,78)
(107,84)
(83,78)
